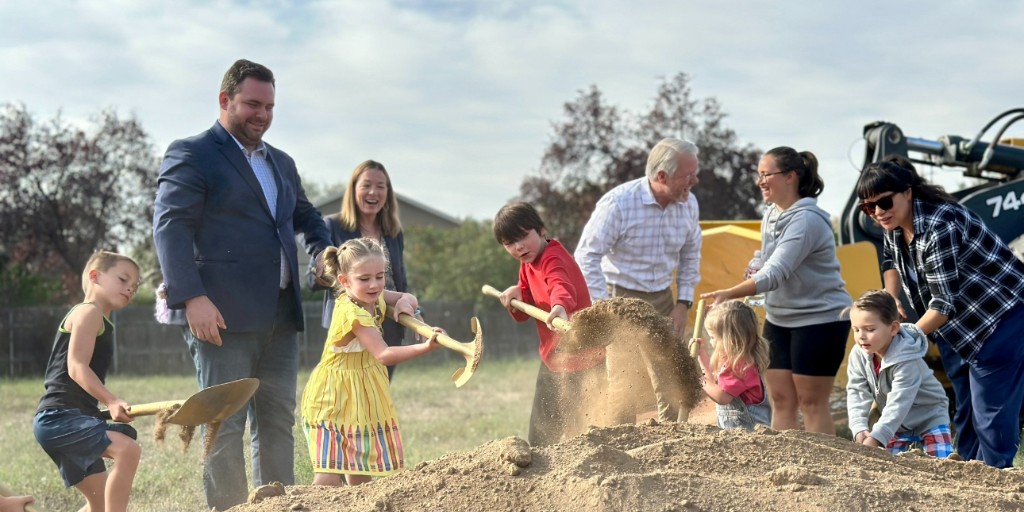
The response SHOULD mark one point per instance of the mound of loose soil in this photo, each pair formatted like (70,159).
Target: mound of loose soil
(674,467)
(665,467)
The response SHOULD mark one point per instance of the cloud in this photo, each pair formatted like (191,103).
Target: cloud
(457,97)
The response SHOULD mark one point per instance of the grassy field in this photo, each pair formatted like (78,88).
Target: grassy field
(436,419)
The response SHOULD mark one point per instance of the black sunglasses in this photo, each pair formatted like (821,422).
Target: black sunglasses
(885,203)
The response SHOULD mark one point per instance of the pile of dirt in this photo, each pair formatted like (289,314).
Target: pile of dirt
(673,467)
(665,467)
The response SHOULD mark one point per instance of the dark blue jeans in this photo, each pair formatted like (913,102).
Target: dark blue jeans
(989,391)
(273,358)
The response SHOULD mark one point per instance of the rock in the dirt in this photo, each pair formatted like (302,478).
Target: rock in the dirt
(266,491)
(516,451)
(794,475)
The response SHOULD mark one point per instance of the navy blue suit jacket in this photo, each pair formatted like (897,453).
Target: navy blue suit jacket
(215,235)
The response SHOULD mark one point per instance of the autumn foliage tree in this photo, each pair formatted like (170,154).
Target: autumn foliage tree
(598,146)
(67,191)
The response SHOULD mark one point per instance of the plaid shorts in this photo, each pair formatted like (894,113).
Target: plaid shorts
(936,442)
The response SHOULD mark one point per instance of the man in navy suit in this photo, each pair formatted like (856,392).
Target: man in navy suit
(228,207)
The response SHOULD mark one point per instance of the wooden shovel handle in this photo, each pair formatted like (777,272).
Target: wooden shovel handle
(146,409)
(427,331)
(698,326)
(533,311)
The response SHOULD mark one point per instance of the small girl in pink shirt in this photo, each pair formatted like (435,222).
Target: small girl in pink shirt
(739,354)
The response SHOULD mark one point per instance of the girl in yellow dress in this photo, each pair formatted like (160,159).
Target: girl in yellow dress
(347,414)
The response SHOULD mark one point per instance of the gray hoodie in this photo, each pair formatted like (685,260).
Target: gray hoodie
(908,395)
(800,276)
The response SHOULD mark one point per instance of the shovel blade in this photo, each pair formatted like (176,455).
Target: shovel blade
(215,403)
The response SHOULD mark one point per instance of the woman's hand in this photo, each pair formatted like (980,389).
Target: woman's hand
(859,438)
(715,297)
(407,304)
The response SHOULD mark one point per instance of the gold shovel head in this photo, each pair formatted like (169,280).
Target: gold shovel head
(215,403)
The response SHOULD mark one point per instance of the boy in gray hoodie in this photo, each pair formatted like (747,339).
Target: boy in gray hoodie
(887,367)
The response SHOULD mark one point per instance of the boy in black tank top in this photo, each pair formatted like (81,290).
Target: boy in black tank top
(67,423)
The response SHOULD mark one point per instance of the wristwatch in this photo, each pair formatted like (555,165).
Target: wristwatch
(687,303)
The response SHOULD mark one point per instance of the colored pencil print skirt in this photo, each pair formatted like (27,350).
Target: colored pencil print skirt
(349,418)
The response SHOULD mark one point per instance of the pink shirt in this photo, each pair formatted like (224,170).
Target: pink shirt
(747,387)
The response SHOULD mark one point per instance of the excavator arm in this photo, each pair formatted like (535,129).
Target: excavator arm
(999,200)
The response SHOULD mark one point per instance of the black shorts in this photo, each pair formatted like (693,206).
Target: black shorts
(76,441)
(813,350)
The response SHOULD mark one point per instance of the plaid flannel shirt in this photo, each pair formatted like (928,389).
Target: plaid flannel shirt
(958,267)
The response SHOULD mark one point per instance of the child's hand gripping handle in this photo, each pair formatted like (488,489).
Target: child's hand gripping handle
(533,311)
(473,351)
(146,409)
(698,326)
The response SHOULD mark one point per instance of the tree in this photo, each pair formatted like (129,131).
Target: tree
(598,146)
(66,192)
(317,191)
(452,264)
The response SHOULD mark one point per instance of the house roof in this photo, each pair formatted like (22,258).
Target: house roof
(402,201)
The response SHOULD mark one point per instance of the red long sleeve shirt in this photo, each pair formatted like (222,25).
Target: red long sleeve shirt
(554,278)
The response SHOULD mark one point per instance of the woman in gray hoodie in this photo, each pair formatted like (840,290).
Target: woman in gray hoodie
(887,367)
(804,293)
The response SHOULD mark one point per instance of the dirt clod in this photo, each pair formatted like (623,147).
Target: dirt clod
(266,491)
(516,451)
(794,475)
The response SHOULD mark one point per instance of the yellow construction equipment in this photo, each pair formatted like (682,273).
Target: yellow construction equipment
(728,247)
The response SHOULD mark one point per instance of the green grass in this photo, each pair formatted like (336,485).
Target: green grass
(436,419)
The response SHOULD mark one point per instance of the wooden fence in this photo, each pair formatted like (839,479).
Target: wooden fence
(144,346)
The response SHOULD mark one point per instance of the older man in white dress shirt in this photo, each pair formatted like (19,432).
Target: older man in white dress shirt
(640,234)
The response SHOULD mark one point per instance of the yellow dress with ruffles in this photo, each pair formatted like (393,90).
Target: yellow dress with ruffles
(348,416)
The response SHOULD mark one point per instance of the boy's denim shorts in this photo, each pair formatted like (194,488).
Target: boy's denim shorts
(76,441)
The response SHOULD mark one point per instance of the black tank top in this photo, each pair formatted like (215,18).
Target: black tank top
(62,392)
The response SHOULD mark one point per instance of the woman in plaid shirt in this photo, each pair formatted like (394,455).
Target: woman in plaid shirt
(966,287)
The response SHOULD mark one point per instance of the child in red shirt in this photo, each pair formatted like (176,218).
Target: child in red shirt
(550,280)
(733,370)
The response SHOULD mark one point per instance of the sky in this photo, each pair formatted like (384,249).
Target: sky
(457,97)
